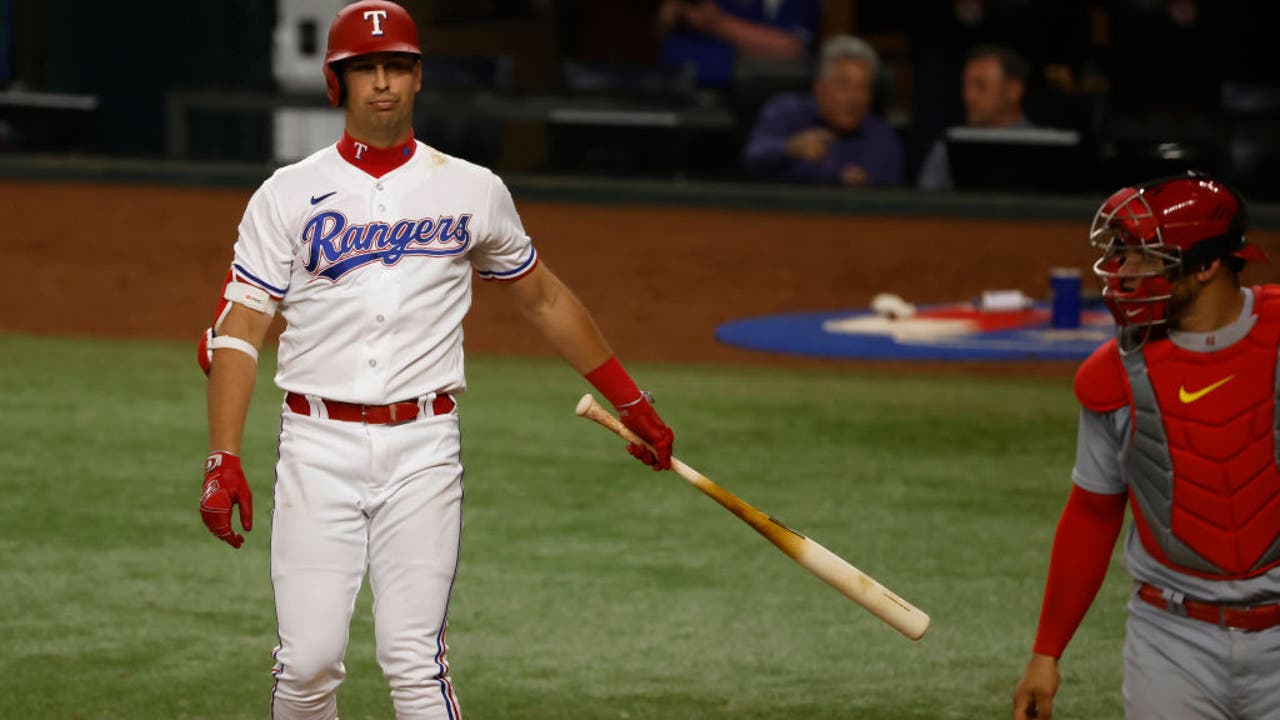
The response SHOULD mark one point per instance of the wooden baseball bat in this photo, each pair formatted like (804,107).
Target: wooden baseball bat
(829,567)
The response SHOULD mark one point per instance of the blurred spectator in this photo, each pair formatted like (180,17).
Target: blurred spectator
(1054,38)
(995,81)
(829,136)
(712,34)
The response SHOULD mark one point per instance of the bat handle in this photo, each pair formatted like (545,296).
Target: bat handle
(592,410)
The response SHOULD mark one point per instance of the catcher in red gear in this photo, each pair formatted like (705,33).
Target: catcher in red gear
(1178,421)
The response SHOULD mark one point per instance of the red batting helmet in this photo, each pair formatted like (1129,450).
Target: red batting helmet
(363,28)
(1178,224)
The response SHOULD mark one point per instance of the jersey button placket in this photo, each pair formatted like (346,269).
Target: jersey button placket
(375,341)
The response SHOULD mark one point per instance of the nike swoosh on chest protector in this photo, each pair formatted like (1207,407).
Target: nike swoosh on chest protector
(1190,397)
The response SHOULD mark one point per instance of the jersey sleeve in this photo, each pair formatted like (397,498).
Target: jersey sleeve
(1099,443)
(263,252)
(1102,388)
(503,251)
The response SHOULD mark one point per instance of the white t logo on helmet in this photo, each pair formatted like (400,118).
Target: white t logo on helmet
(377,16)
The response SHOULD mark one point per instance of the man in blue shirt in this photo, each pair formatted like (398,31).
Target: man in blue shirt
(830,136)
(712,34)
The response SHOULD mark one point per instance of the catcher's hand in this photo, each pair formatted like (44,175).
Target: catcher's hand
(641,419)
(1033,697)
(224,486)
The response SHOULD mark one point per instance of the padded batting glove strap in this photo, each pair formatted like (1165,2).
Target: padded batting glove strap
(224,486)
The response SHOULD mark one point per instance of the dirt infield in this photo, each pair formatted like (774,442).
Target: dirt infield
(144,261)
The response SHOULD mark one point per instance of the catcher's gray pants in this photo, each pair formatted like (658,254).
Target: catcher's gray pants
(1177,668)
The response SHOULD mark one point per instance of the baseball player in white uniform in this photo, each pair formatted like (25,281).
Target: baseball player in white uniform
(367,249)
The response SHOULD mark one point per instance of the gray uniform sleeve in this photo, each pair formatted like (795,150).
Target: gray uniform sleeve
(1099,443)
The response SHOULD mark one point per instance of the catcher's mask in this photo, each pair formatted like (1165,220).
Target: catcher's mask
(364,28)
(1153,234)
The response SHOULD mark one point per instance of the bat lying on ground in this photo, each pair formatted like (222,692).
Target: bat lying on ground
(829,567)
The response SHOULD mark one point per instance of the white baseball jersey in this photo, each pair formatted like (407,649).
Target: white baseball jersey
(374,273)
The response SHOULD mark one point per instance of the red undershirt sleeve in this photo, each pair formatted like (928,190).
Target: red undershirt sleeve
(1086,534)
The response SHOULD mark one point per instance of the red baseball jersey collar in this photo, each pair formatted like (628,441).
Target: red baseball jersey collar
(375,161)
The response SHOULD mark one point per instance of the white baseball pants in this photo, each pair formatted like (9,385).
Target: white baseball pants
(349,499)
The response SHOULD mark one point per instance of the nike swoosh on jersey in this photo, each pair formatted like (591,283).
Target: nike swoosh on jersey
(317,199)
(1189,397)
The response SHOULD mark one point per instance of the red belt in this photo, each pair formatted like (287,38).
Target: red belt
(1241,617)
(396,412)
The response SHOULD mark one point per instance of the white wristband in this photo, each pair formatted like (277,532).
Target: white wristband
(234,343)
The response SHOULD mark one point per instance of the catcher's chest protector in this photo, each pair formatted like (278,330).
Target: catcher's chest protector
(1201,463)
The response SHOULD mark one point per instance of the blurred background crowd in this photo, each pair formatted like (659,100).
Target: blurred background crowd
(1067,97)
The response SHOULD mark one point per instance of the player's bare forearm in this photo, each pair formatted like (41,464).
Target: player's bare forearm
(566,324)
(232,377)
(560,316)
(231,381)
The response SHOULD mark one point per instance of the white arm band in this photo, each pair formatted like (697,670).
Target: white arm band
(250,296)
(234,343)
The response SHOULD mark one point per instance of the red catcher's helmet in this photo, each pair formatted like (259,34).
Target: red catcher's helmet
(364,28)
(1178,224)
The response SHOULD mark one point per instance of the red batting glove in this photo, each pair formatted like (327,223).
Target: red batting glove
(635,409)
(641,419)
(224,486)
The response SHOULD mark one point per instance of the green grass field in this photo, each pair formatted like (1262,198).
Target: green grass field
(590,587)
